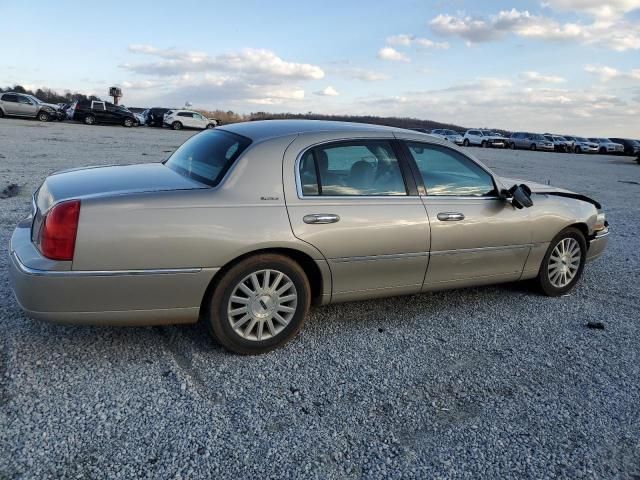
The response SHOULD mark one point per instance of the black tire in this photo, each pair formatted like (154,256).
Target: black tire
(513,145)
(217,318)
(128,122)
(603,150)
(543,281)
(176,126)
(465,142)
(1,113)
(210,126)
(44,116)
(577,150)
(90,120)
(483,144)
(533,147)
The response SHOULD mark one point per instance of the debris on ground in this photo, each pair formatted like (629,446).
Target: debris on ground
(11,190)
(595,325)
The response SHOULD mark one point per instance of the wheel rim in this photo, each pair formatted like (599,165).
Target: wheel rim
(89,120)
(564,262)
(262,305)
(128,123)
(43,117)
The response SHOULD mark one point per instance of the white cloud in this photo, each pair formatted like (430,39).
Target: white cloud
(327,92)
(253,62)
(597,8)
(404,40)
(391,54)
(617,34)
(537,77)
(366,75)
(606,73)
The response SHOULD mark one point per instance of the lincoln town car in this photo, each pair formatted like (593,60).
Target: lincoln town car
(247,226)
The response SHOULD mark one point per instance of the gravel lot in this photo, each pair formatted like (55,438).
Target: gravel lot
(491,382)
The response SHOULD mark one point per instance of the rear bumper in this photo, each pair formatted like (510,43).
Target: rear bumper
(597,245)
(134,297)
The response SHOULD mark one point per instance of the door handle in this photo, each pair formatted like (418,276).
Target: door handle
(450,216)
(321,218)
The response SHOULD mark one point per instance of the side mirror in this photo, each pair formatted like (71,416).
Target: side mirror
(518,195)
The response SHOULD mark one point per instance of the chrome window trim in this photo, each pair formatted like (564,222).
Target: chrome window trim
(301,195)
(98,273)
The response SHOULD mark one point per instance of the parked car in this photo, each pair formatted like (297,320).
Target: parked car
(582,145)
(179,119)
(560,144)
(450,135)
(248,224)
(484,138)
(630,147)
(23,105)
(607,146)
(530,141)
(155,116)
(97,111)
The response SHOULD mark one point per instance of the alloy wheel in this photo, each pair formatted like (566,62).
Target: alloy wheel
(262,304)
(564,262)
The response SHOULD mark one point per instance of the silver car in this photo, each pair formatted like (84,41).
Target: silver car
(247,225)
(23,105)
(530,141)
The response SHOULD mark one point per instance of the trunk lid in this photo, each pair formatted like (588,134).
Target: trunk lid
(111,180)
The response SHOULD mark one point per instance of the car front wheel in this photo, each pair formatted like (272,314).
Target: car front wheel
(465,142)
(128,122)
(43,116)
(176,126)
(259,304)
(90,120)
(563,263)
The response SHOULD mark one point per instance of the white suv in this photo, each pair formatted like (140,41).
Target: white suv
(179,119)
(484,138)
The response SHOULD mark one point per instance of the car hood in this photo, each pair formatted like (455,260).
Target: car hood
(111,180)
(50,105)
(535,187)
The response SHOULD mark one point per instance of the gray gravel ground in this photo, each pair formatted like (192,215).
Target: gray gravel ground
(492,382)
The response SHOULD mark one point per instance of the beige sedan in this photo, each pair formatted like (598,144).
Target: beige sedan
(247,225)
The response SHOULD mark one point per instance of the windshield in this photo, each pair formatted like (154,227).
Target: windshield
(537,136)
(207,156)
(33,98)
(560,139)
(580,139)
(451,132)
(604,140)
(486,132)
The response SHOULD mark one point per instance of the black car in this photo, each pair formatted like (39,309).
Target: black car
(97,111)
(631,147)
(155,116)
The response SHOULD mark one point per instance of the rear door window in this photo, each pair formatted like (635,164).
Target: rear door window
(10,97)
(355,168)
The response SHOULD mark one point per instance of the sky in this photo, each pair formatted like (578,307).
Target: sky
(562,66)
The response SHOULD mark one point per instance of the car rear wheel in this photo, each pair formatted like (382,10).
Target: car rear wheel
(210,125)
(513,146)
(128,122)
(176,126)
(533,147)
(259,304)
(43,116)
(578,149)
(465,142)
(90,120)
(563,263)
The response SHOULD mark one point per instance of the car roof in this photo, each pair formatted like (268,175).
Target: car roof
(266,129)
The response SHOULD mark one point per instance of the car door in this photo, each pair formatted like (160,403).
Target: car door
(475,137)
(356,202)
(26,107)
(10,103)
(199,121)
(476,237)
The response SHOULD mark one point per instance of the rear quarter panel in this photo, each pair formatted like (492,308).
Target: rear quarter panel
(192,228)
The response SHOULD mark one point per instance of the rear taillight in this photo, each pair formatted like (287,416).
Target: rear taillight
(58,233)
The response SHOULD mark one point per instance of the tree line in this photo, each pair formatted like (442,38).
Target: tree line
(50,96)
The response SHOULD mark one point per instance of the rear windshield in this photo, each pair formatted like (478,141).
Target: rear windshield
(207,156)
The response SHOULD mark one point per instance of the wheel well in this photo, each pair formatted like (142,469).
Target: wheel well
(305,261)
(583,229)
